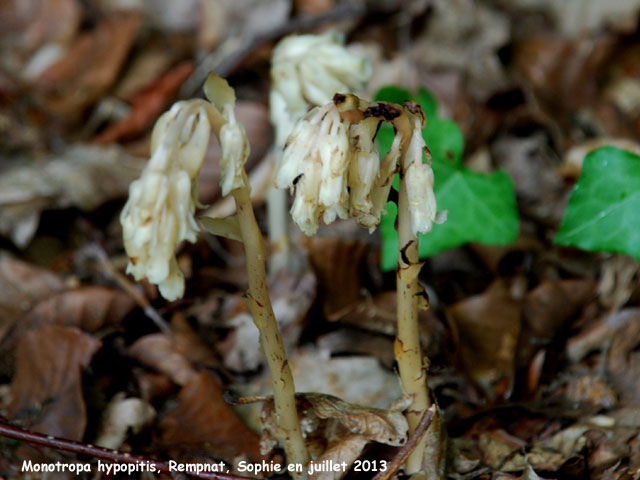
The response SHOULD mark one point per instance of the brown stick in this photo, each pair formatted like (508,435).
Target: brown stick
(17,433)
(403,452)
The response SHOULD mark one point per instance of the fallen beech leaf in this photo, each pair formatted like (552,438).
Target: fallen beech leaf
(533,167)
(83,177)
(356,379)
(291,295)
(21,287)
(488,326)
(546,313)
(159,352)
(123,414)
(46,389)
(88,308)
(623,361)
(147,105)
(189,343)
(30,24)
(378,314)
(203,424)
(331,419)
(347,450)
(89,67)
(338,264)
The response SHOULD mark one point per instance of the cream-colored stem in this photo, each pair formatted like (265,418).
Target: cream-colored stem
(278,222)
(407,346)
(260,305)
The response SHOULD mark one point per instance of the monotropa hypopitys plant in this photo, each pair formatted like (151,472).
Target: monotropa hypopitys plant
(332,166)
(160,214)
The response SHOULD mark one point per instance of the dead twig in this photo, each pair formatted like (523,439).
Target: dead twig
(396,462)
(17,433)
(226,58)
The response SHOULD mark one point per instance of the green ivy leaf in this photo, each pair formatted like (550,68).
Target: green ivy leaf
(604,207)
(481,208)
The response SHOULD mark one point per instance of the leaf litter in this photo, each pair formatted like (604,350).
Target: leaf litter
(533,346)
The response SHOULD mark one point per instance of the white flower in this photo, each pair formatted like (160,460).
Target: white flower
(159,212)
(308,70)
(419,183)
(315,162)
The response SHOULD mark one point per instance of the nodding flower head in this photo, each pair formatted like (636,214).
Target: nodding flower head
(332,162)
(159,213)
(419,181)
(315,161)
(162,202)
(306,71)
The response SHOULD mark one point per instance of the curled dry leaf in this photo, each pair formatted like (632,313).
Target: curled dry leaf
(328,420)
(87,308)
(31,24)
(159,351)
(89,67)
(123,414)
(356,379)
(291,296)
(338,264)
(21,287)
(378,314)
(346,451)
(83,177)
(488,326)
(147,105)
(202,424)
(47,387)
(546,313)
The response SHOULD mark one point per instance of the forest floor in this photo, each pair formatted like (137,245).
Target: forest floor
(534,348)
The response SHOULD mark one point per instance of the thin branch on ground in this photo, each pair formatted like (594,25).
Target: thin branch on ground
(403,452)
(17,433)
(226,58)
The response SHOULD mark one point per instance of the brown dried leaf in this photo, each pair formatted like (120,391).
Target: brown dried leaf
(347,450)
(21,287)
(83,177)
(327,420)
(88,308)
(30,24)
(89,68)
(338,264)
(147,105)
(159,352)
(292,294)
(488,326)
(203,424)
(383,426)
(378,314)
(46,388)
(546,313)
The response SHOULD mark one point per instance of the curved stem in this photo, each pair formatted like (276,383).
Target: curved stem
(259,304)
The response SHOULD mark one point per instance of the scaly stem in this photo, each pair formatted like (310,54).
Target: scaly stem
(407,346)
(259,303)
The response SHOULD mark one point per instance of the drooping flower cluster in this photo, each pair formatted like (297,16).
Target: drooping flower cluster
(334,166)
(159,213)
(306,71)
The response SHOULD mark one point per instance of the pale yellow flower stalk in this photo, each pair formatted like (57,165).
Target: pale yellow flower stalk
(307,165)
(306,71)
(160,214)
